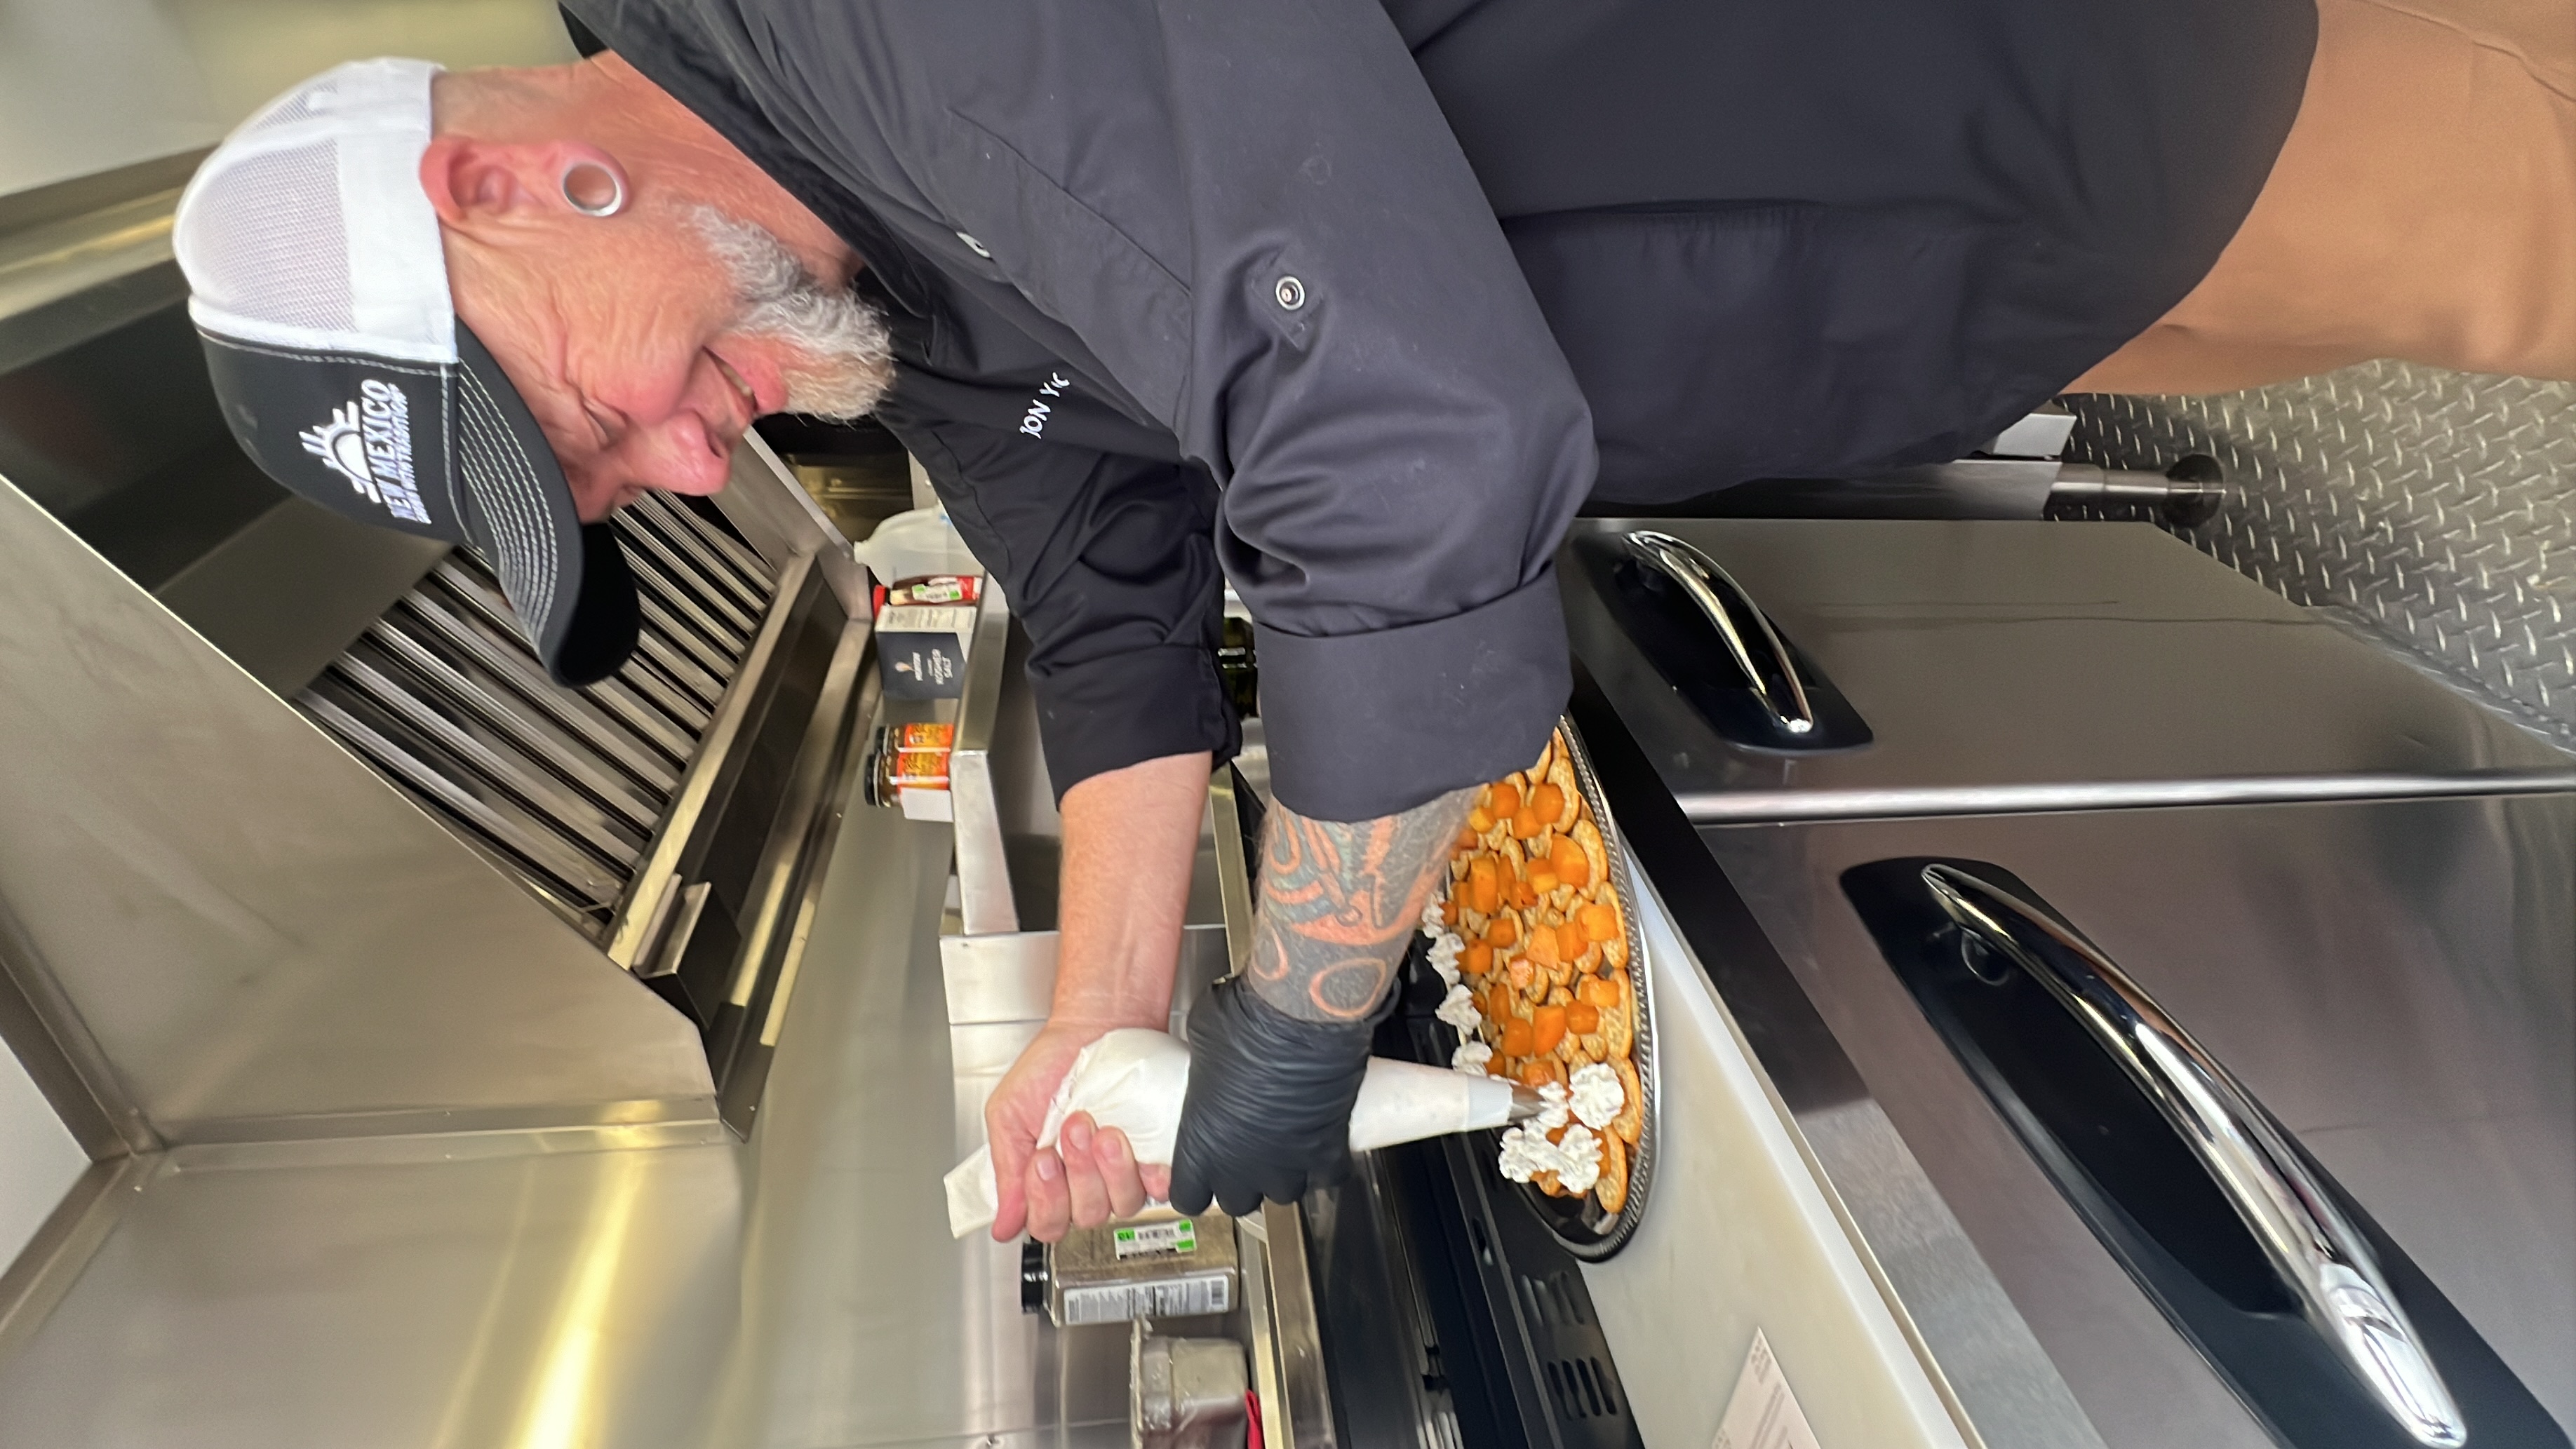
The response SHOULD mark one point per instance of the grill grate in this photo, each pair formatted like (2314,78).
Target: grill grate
(564,788)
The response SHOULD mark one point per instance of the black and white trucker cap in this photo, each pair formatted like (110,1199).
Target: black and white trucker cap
(317,280)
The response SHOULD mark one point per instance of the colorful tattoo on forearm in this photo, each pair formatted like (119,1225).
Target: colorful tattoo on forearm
(1339,902)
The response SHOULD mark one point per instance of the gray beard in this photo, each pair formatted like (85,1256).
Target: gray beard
(844,357)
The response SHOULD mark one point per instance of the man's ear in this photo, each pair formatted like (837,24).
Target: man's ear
(483,187)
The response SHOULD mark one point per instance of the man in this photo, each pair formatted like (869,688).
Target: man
(1351,305)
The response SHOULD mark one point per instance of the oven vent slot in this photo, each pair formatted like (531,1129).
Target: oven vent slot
(563,788)
(1582,1389)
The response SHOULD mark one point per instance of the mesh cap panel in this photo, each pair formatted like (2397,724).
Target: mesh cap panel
(308,227)
(271,245)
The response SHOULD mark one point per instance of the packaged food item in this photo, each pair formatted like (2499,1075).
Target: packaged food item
(930,589)
(921,665)
(921,645)
(1159,1265)
(912,770)
(921,735)
(909,768)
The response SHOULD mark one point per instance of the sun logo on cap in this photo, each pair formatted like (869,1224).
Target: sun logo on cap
(369,443)
(339,444)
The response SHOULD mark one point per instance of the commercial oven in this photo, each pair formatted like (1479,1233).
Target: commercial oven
(2175,989)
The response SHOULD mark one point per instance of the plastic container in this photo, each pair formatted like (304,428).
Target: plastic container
(921,541)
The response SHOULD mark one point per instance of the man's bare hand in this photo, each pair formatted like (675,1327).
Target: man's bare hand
(1129,836)
(1089,1177)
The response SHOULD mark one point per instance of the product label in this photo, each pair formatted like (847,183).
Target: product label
(1180,1235)
(1763,1414)
(937,589)
(1170,1298)
(927,769)
(924,619)
(923,735)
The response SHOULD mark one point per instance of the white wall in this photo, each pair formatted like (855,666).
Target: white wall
(38,1158)
(89,85)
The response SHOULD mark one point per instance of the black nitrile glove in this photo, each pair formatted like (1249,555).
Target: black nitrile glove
(1268,1114)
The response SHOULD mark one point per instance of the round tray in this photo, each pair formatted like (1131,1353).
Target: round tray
(1578,1223)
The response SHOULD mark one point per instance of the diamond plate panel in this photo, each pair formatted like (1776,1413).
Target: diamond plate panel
(2438,506)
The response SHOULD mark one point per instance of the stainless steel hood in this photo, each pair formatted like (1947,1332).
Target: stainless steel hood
(1998,666)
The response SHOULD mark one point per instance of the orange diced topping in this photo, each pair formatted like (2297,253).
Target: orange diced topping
(1548,1026)
(1484,888)
(1479,820)
(1477,959)
(1524,895)
(1583,1018)
(1503,932)
(1525,823)
(1600,923)
(1548,801)
(1449,911)
(1570,864)
(1517,1036)
(1569,941)
(1542,879)
(1503,800)
(1538,1073)
(1598,991)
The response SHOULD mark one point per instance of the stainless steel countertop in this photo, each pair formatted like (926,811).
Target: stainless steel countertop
(604,1286)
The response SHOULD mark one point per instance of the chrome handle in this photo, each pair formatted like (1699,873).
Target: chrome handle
(2306,1237)
(1723,600)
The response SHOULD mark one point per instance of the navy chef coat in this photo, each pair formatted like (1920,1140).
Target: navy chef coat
(1355,303)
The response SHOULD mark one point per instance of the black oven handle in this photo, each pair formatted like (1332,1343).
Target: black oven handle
(2306,1237)
(1739,622)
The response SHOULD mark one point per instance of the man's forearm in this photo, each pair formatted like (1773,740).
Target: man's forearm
(1129,839)
(1340,901)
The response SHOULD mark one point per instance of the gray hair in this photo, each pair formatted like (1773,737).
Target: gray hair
(844,355)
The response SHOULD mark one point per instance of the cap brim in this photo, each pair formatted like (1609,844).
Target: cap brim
(567,580)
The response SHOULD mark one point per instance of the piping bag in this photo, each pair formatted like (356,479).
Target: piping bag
(1133,1079)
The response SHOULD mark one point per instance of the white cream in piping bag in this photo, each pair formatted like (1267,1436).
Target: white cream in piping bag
(1134,1079)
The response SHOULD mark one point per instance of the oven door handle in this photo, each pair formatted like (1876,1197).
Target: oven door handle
(2305,1235)
(1740,624)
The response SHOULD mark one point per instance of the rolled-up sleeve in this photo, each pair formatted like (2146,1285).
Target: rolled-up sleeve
(1109,566)
(1258,221)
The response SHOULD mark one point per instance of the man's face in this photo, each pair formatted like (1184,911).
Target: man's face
(645,350)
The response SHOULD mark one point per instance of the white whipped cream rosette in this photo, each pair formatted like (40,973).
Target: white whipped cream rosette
(1445,950)
(1554,1109)
(1575,1158)
(1578,1160)
(1597,1096)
